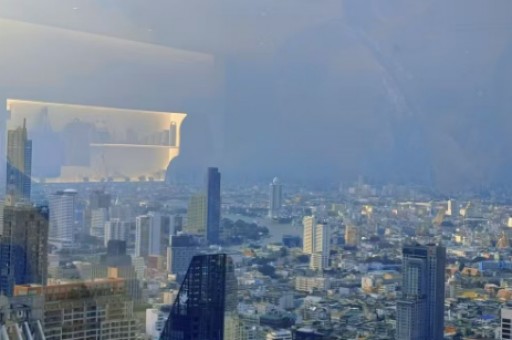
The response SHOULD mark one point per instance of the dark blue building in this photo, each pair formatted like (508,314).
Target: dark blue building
(206,305)
(213,206)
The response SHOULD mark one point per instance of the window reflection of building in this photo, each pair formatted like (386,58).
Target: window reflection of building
(76,138)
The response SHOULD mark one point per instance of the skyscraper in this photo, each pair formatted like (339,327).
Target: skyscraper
(19,163)
(316,242)
(62,217)
(152,233)
(23,246)
(206,305)
(213,206)
(420,309)
(196,215)
(99,204)
(275,198)
(115,229)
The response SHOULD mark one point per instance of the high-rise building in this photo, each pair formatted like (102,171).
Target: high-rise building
(115,229)
(420,308)
(62,217)
(181,250)
(96,309)
(142,232)
(351,235)
(99,206)
(275,198)
(23,246)
(196,215)
(19,163)
(506,323)
(213,206)
(210,285)
(309,223)
(152,235)
(316,242)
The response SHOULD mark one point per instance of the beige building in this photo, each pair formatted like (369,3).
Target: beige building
(97,309)
(196,215)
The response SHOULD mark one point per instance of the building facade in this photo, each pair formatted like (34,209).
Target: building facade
(420,308)
(275,198)
(213,203)
(19,163)
(23,246)
(62,217)
(209,285)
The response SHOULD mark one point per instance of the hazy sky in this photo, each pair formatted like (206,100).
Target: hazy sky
(396,90)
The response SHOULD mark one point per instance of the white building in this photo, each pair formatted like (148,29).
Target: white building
(62,217)
(307,284)
(275,198)
(115,229)
(152,233)
(282,334)
(155,321)
(99,217)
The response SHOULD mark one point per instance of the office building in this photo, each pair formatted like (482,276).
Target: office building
(99,206)
(152,235)
(96,309)
(115,229)
(213,206)
(275,198)
(181,250)
(206,305)
(196,215)
(19,163)
(420,308)
(142,232)
(316,242)
(23,246)
(155,321)
(62,217)
(506,323)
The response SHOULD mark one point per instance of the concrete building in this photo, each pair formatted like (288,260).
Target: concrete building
(275,198)
(309,223)
(142,234)
(62,218)
(96,309)
(351,235)
(115,229)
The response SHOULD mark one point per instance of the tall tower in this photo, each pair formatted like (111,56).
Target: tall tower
(206,305)
(316,242)
(196,215)
(23,246)
(142,234)
(19,163)
(420,309)
(99,204)
(62,217)
(275,198)
(213,206)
